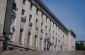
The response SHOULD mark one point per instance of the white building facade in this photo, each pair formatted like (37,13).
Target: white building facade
(32,25)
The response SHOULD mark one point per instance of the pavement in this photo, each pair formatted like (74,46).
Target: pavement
(43,53)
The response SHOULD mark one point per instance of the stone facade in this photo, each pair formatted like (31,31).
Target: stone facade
(2,17)
(32,25)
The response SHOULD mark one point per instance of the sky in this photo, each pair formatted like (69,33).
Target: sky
(71,13)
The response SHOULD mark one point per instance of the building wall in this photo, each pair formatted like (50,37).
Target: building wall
(2,17)
(30,26)
(2,14)
(71,42)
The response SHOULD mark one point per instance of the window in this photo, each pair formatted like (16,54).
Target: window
(28,41)
(23,19)
(41,30)
(63,36)
(24,1)
(42,14)
(49,30)
(40,42)
(35,42)
(14,6)
(59,40)
(53,32)
(36,22)
(46,27)
(20,37)
(56,40)
(31,6)
(37,11)
(30,17)
(46,19)
(53,37)
(41,24)
(46,30)
(23,11)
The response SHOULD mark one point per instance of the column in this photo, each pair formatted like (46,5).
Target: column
(26,27)
(32,36)
(39,31)
(17,21)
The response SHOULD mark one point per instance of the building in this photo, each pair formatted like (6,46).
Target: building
(80,45)
(29,24)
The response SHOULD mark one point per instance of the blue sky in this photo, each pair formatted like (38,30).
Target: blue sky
(71,13)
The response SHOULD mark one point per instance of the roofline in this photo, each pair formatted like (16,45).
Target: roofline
(51,14)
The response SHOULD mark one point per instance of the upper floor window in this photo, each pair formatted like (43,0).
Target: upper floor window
(41,24)
(53,32)
(24,1)
(37,11)
(37,24)
(14,6)
(53,37)
(63,36)
(31,6)
(45,27)
(36,21)
(56,40)
(46,19)
(30,17)
(59,40)
(41,30)
(42,14)
(23,19)
(23,11)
